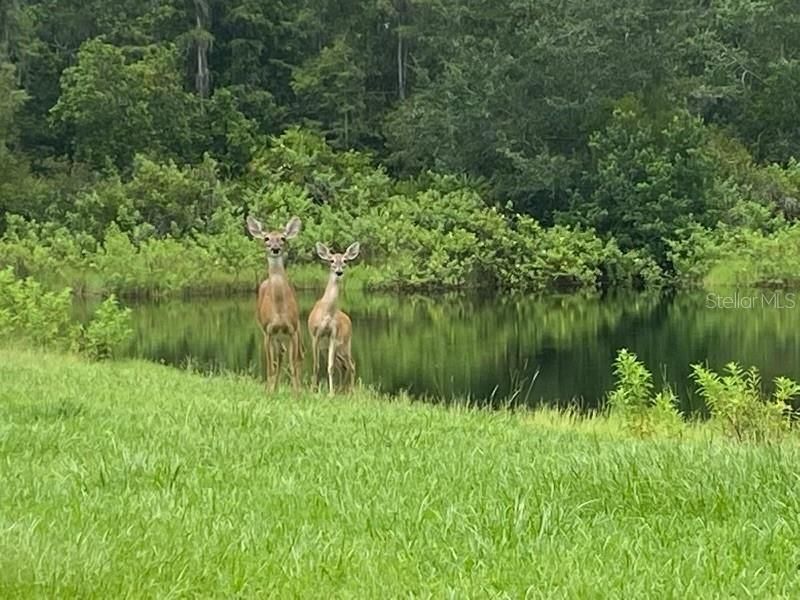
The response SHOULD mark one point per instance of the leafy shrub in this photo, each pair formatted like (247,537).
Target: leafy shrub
(228,250)
(434,239)
(108,329)
(29,312)
(436,232)
(739,405)
(175,200)
(744,257)
(171,229)
(650,178)
(634,269)
(151,113)
(642,412)
(340,179)
(43,318)
(693,253)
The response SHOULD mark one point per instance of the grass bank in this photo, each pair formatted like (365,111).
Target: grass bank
(131,479)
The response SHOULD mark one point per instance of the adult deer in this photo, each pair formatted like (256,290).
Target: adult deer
(277,313)
(330,328)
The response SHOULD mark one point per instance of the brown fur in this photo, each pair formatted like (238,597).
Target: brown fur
(331,328)
(277,311)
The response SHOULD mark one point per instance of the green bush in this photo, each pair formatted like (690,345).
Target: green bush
(650,177)
(642,412)
(108,329)
(742,257)
(740,406)
(31,314)
(171,229)
(528,257)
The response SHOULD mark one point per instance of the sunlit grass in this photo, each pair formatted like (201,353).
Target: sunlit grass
(729,272)
(135,480)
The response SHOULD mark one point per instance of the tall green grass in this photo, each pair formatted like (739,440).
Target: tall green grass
(135,480)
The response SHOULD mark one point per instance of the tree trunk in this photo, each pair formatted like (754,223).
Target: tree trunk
(401,69)
(202,78)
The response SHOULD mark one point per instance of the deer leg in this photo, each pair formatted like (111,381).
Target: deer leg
(352,369)
(278,363)
(267,360)
(315,352)
(331,357)
(351,364)
(294,358)
(343,364)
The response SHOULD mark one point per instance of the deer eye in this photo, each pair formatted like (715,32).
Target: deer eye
(283,238)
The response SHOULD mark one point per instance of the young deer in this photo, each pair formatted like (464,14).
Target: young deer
(331,328)
(277,312)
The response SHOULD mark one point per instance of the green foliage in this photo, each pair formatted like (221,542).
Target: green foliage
(119,102)
(230,136)
(515,95)
(158,199)
(773,101)
(108,329)
(634,268)
(228,250)
(437,234)
(634,384)
(51,253)
(693,254)
(665,415)
(31,314)
(739,405)
(116,107)
(529,257)
(174,200)
(781,186)
(11,99)
(152,267)
(132,263)
(750,258)
(15,180)
(650,179)
(642,412)
(169,228)
(331,90)
(303,158)
(635,120)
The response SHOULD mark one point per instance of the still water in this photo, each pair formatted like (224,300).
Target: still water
(547,349)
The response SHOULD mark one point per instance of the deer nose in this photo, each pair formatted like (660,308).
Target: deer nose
(339,273)
(276,250)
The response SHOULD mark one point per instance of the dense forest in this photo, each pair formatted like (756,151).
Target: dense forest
(523,145)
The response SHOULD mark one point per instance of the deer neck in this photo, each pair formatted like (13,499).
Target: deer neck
(276,270)
(331,295)
(279,282)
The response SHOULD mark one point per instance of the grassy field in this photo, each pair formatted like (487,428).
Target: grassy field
(134,480)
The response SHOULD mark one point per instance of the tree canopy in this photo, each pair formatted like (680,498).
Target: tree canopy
(619,115)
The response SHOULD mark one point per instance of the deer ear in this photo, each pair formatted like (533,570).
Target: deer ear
(255,228)
(352,251)
(292,228)
(323,252)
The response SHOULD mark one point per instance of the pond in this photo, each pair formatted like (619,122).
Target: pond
(553,349)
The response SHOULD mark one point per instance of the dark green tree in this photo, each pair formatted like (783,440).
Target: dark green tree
(650,178)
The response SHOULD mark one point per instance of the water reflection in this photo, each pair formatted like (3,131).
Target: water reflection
(488,348)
